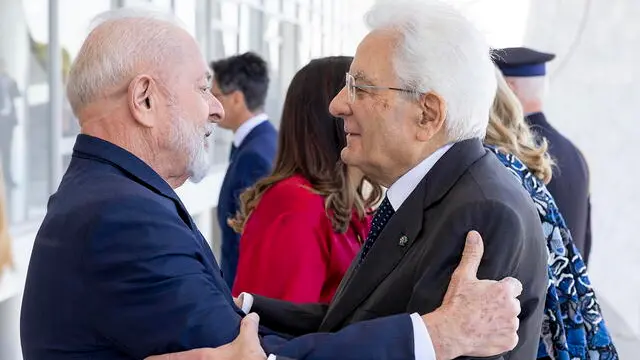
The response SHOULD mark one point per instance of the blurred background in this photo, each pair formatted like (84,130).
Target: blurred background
(593,95)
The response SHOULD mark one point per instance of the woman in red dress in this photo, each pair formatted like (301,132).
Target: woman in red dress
(303,225)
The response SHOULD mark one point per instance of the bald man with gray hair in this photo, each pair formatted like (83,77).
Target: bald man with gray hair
(119,270)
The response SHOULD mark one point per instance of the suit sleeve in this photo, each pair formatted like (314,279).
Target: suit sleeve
(388,338)
(149,289)
(504,238)
(289,261)
(287,317)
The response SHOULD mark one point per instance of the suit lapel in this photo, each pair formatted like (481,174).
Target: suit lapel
(400,233)
(392,245)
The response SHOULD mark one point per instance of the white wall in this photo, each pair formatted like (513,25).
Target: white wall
(593,99)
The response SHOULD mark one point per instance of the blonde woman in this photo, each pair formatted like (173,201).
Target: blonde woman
(573,327)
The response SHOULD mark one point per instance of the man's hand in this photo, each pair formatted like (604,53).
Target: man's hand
(477,317)
(245,347)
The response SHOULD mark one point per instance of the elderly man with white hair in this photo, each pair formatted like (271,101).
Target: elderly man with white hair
(119,269)
(416,108)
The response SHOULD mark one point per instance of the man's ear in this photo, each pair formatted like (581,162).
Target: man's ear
(432,116)
(142,95)
(237,98)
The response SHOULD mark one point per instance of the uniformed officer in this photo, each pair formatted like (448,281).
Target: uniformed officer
(525,70)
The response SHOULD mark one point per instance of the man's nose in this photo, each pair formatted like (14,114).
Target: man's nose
(216,111)
(339,106)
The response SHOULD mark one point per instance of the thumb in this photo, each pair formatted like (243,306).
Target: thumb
(471,256)
(249,327)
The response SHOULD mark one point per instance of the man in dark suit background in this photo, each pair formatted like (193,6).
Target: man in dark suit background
(240,83)
(415,121)
(119,270)
(525,72)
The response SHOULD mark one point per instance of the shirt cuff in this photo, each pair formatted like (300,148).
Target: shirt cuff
(247,302)
(423,347)
(271,357)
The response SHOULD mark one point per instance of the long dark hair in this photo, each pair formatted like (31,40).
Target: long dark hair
(310,142)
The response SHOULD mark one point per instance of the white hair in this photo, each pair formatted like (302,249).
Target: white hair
(441,51)
(119,43)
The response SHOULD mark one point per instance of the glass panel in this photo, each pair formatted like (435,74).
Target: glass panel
(327,31)
(272,57)
(73,30)
(289,63)
(316,5)
(136,3)
(230,12)
(289,8)
(24,102)
(245,34)
(185,10)
(224,43)
(316,33)
(156,4)
(225,24)
(256,29)
(272,6)
(163,4)
(304,39)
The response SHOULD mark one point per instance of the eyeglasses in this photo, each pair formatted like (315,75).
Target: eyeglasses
(350,83)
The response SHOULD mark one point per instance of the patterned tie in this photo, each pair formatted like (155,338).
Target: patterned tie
(383,214)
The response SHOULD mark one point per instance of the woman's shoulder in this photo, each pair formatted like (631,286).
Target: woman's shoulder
(294,191)
(513,163)
(293,185)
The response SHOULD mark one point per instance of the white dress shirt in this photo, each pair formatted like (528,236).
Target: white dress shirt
(397,193)
(246,127)
(400,190)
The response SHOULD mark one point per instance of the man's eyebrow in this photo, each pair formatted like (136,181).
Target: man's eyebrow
(360,76)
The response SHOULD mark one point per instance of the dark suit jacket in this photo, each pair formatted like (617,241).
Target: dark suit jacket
(467,189)
(251,161)
(120,271)
(569,184)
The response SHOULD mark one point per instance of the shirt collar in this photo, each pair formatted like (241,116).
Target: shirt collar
(246,128)
(400,190)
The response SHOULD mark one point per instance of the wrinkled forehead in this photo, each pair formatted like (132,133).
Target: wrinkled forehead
(373,61)
(188,62)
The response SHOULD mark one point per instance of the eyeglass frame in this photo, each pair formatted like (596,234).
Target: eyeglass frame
(350,84)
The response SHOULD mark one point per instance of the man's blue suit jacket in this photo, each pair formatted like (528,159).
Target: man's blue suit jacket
(120,271)
(251,161)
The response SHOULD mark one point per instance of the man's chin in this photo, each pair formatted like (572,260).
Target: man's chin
(349,156)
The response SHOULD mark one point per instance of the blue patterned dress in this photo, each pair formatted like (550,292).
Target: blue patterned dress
(573,327)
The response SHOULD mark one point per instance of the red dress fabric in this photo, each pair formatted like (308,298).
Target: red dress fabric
(288,249)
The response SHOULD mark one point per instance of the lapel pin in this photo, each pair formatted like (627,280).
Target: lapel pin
(403,241)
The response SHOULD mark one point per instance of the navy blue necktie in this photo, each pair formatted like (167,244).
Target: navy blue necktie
(232,152)
(383,214)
